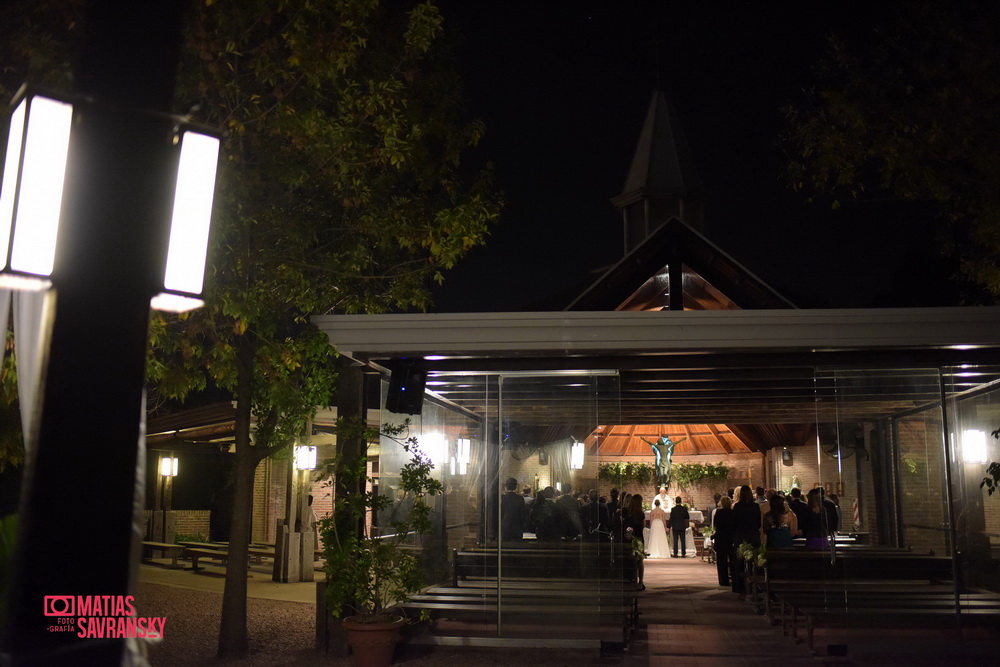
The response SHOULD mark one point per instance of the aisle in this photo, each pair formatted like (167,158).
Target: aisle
(688,619)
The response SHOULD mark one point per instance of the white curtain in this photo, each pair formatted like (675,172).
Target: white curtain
(559,456)
(29,310)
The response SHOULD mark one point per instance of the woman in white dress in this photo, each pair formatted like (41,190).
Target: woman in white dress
(658,546)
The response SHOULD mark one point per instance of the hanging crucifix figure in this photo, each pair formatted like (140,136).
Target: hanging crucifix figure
(661,446)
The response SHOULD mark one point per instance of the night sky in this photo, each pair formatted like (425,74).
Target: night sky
(563,89)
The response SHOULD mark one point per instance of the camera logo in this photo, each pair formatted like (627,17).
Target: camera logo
(59,605)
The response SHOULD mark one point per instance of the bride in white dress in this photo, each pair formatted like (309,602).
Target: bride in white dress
(657,545)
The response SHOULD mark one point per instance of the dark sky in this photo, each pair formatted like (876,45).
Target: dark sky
(563,88)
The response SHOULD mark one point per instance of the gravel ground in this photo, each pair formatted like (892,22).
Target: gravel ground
(282,634)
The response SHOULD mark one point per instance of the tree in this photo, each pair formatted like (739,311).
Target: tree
(341,189)
(906,110)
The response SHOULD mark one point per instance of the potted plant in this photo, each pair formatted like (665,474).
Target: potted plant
(367,575)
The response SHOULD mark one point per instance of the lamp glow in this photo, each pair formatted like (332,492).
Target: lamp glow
(184,277)
(576,456)
(305,457)
(32,189)
(168,466)
(433,445)
(974,446)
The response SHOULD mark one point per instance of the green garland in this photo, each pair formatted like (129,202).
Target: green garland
(617,473)
(686,474)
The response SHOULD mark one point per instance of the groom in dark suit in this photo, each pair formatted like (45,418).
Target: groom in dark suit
(679,521)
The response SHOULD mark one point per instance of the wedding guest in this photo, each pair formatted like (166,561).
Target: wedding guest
(778,525)
(722,538)
(746,514)
(513,513)
(633,521)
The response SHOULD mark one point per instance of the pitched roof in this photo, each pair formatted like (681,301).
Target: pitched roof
(712,279)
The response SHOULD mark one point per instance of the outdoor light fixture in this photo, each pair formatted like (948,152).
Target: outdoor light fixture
(974,446)
(305,457)
(434,447)
(168,466)
(31,195)
(576,456)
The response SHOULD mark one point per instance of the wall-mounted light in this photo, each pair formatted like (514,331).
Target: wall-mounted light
(305,457)
(576,456)
(31,197)
(168,466)
(434,446)
(974,446)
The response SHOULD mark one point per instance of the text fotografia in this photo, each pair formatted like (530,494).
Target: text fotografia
(101,617)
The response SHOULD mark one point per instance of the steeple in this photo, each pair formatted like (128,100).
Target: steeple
(662,182)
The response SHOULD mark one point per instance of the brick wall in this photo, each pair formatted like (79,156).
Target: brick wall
(188,522)
(922,484)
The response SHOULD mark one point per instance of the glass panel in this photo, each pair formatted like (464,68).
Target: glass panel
(558,570)
(881,451)
(974,414)
(495,567)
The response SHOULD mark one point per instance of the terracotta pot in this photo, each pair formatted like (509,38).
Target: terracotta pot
(372,644)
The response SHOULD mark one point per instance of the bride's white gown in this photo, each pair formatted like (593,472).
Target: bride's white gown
(657,545)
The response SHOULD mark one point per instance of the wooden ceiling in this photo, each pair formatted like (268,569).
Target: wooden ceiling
(691,439)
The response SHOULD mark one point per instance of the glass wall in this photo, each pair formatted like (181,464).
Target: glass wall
(974,415)
(517,551)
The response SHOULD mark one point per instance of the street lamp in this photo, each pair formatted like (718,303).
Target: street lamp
(31,196)
(305,457)
(168,466)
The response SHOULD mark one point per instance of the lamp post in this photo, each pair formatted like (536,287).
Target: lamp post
(295,541)
(107,264)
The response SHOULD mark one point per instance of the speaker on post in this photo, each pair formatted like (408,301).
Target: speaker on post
(406,390)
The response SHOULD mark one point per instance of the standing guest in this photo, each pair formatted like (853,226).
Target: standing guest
(680,519)
(526,494)
(778,525)
(617,525)
(816,527)
(569,507)
(761,497)
(513,513)
(799,506)
(722,538)
(544,518)
(633,521)
(613,503)
(715,508)
(746,514)
(832,502)
(596,522)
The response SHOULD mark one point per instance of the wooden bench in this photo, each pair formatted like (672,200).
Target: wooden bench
(173,551)
(888,607)
(196,553)
(856,565)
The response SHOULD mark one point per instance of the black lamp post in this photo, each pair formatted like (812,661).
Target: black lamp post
(82,488)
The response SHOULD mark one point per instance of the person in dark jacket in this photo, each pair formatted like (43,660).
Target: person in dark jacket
(746,516)
(722,538)
(679,521)
(513,513)
(596,521)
